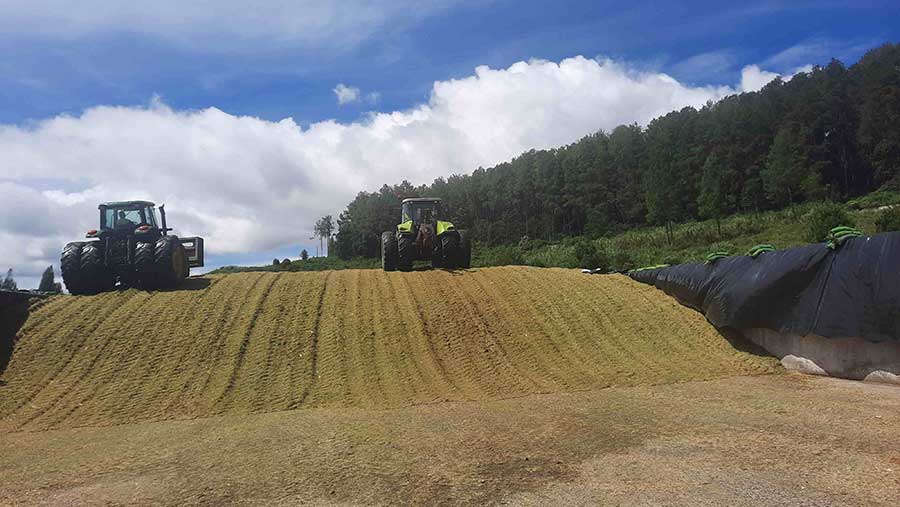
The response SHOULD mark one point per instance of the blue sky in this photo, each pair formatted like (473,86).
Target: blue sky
(45,75)
(200,83)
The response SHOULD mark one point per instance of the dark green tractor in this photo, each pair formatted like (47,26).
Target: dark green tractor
(422,235)
(132,247)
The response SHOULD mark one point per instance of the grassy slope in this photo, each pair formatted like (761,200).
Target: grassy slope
(259,342)
(691,241)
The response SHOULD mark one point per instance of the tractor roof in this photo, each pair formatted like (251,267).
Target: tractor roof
(126,204)
(421,199)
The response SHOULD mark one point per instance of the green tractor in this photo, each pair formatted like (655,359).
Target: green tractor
(422,235)
(133,248)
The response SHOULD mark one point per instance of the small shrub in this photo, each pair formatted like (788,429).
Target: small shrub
(888,220)
(503,255)
(589,255)
(525,244)
(620,260)
(276,262)
(672,259)
(826,216)
(558,256)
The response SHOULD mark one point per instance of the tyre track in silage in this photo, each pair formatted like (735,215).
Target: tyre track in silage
(244,342)
(70,383)
(314,347)
(256,342)
(433,360)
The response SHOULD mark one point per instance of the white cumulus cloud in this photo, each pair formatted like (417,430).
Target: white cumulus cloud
(754,79)
(250,185)
(346,94)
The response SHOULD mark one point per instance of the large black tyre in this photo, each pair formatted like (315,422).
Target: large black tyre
(169,259)
(97,277)
(406,248)
(70,265)
(464,251)
(389,251)
(145,264)
(447,257)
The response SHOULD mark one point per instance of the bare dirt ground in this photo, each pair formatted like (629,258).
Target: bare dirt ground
(763,440)
(510,386)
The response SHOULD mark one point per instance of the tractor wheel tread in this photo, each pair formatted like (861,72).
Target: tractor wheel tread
(405,252)
(96,276)
(169,259)
(464,257)
(70,266)
(389,251)
(145,263)
(448,254)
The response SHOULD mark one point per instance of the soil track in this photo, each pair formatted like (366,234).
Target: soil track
(262,342)
(770,440)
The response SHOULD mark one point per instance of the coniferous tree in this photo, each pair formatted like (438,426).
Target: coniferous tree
(48,282)
(832,132)
(714,200)
(9,283)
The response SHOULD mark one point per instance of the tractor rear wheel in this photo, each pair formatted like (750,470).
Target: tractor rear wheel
(447,255)
(144,264)
(389,250)
(464,251)
(70,265)
(406,248)
(97,277)
(169,258)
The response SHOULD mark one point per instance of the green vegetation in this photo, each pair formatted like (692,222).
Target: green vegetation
(688,242)
(310,264)
(875,200)
(888,220)
(48,282)
(831,134)
(696,241)
(823,218)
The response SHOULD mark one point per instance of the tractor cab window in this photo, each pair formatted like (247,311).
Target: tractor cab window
(123,218)
(150,216)
(421,212)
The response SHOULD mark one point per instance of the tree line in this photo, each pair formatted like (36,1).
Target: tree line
(832,133)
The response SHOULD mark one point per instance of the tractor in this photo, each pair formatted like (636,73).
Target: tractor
(422,235)
(132,247)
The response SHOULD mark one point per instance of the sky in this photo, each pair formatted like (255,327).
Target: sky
(250,120)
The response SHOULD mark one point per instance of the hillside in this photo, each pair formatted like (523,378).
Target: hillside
(830,133)
(261,342)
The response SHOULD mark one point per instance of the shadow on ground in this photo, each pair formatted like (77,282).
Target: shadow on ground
(739,342)
(12,316)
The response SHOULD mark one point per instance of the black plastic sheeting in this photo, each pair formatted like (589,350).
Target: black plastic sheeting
(853,291)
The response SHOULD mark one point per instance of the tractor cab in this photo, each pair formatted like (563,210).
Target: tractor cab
(420,210)
(130,217)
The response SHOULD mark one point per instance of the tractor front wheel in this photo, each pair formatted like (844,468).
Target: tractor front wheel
(389,250)
(406,247)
